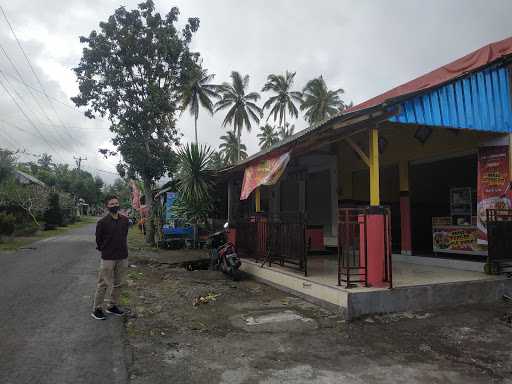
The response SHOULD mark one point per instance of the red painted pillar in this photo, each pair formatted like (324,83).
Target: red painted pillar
(374,245)
(405,223)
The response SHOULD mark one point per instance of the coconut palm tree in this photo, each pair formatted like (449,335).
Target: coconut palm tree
(199,92)
(241,106)
(231,148)
(268,136)
(286,131)
(284,100)
(320,103)
(218,160)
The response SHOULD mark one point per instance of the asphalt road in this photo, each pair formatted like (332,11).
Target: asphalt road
(46,332)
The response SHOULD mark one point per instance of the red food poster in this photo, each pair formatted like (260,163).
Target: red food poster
(493,180)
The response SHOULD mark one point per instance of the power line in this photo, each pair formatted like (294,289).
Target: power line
(28,119)
(63,146)
(28,88)
(35,74)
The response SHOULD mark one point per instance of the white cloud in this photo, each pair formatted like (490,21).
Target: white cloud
(363,46)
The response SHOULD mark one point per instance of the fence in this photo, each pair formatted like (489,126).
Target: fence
(499,237)
(278,238)
(353,245)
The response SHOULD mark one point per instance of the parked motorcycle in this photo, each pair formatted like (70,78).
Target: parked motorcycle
(223,254)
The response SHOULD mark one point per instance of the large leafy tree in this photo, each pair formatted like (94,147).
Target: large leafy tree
(199,92)
(284,99)
(133,71)
(319,102)
(268,136)
(231,148)
(241,106)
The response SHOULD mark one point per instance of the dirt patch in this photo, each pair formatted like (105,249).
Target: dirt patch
(252,333)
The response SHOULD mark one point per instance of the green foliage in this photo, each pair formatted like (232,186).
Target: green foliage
(31,198)
(320,103)
(45,161)
(53,216)
(229,148)
(121,189)
(134,70)
(286,131)
(199,92)
(267,136)
(241,106)
(7,162)
(79,183)
(217,160)
(195,183)
(7,223)
(283,102)
(25,229)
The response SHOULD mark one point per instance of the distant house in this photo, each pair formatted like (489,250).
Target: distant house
(25,178)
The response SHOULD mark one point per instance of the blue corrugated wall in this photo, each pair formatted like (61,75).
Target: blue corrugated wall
(480,101)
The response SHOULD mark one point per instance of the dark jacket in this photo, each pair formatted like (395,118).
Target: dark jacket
(112,237)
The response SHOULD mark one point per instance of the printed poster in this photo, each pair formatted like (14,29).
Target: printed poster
(493,183)
(457,239)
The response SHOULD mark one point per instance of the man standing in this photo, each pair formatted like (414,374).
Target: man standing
(111,241)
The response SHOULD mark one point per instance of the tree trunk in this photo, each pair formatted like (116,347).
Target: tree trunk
(149,225)
(239,133)
(195,127)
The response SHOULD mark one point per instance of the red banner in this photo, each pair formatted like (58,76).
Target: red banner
(266,172)
(493,180)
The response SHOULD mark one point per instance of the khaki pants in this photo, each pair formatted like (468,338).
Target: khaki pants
(111,278)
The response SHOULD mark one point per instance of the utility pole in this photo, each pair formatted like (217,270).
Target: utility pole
(79,160)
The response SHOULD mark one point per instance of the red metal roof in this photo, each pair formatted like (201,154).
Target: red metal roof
(469,63)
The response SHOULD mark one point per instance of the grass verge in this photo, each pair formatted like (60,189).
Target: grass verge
(22,241)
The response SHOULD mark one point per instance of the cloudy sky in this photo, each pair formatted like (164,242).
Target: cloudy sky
(362,46)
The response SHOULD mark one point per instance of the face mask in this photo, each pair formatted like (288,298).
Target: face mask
(114,209)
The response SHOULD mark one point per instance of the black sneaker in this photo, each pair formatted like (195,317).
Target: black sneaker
(98,314)
(114,311)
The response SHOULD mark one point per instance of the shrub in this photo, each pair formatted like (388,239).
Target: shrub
(53,216)
(7,223)
(26,229)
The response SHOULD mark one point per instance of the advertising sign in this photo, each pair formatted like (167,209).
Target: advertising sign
(457,240)
(493,180)
(266,172)
(169,202)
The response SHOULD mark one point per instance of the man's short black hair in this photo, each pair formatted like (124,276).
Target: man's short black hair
(110,197)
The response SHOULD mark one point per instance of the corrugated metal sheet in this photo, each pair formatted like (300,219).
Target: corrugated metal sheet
(480,101)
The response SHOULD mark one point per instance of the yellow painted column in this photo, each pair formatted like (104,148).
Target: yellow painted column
(257,199)
(374,167)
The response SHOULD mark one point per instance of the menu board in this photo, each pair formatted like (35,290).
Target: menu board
(493,180)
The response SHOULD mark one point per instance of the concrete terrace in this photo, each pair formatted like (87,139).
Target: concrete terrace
(419,284)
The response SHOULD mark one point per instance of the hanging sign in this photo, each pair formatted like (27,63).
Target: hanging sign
(265,172)
(493,182)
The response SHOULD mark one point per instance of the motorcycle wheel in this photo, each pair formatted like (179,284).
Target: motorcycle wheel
(236,274)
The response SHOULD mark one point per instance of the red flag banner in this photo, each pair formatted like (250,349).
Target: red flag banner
(493,180)
(265,172)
